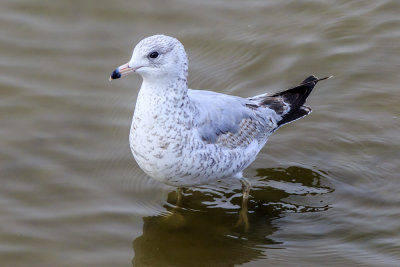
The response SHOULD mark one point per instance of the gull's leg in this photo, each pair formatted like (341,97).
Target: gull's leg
(175,219)
(179,197)
(246,188)
(243,218)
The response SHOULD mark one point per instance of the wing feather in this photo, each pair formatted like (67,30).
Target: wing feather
(231,121)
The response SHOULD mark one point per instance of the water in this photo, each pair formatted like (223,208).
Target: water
(325,189)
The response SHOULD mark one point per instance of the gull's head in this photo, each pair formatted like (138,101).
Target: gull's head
(156,57)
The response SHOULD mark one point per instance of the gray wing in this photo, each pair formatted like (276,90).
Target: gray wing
(231,121)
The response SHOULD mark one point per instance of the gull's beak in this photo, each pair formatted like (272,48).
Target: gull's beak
(121,71)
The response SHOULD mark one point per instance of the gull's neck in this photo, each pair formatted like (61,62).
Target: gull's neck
(166,97)
(164,88)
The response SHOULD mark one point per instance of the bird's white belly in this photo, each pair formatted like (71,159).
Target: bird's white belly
(161,151)
(177,157)
(151,151)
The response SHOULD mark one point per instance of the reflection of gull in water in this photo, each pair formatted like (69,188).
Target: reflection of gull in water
(201,231)
(186,137)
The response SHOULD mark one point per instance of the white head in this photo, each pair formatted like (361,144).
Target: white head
(155,58)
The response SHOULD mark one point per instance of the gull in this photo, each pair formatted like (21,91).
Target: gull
(184,137)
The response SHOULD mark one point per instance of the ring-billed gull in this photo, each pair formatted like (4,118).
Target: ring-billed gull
(185,137)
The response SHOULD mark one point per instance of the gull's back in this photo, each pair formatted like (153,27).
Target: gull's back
(231,122)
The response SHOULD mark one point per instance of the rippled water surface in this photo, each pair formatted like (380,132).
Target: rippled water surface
(326,189)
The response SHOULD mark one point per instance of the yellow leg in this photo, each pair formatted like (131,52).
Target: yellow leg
(243,218)
(175,220)
(179,197)
(246,188)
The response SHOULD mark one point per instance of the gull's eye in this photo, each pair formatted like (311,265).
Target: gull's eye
(153,54)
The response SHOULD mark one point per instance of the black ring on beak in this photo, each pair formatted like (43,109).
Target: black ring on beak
(116,74)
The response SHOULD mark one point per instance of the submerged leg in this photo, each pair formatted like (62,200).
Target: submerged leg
(179,197)
(243,218)
(246,186)
(175,219)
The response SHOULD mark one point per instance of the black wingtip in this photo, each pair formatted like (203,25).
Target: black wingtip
(325,78)
(296,97)
(294,115)
(314,79)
